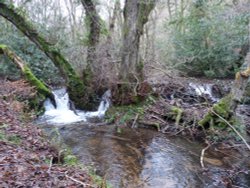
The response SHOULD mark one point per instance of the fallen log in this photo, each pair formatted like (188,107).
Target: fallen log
(41,88)
(226,107)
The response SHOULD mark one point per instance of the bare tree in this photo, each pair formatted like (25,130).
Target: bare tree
(71,8)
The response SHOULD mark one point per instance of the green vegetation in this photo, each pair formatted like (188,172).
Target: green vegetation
(125,114)
(43,91)
(176,114)
(12,139)
(73,82)
(207,41)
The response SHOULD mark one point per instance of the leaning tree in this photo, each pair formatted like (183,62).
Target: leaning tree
(74,85)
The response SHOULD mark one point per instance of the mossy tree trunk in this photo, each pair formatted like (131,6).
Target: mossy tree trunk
(226,107)
(93,25)
(74,84)
(42,89)
(136,14)
(93,22)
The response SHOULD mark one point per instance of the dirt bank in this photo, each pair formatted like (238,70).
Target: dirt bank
(27,158)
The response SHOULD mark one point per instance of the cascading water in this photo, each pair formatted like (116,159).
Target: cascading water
(104,105)
(62,114)
(204,89)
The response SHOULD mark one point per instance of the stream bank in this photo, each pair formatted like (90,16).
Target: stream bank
(27,157)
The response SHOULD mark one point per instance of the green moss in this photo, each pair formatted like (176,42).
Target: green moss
(13,139)
(71,160)
(126,113)
(43,91)
(222,108)
(2,48)
(30,77)
(75,86)
(40,86)
(176,113)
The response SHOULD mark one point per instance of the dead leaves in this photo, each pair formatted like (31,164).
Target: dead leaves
(25,151)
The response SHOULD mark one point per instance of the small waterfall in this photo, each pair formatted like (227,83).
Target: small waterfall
(61,99)
(103,107)
(204,89)
(62,114)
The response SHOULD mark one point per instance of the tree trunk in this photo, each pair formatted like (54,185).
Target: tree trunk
(226,107)
(94,27)
(136,14)
(42,90)
(111,28)
(74,84)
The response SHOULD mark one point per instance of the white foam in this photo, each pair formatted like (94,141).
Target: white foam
(62,114)
(203,89)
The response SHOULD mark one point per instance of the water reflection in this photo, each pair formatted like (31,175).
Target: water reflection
(134,158)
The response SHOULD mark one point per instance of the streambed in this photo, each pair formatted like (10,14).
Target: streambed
(142,158)
(137,158)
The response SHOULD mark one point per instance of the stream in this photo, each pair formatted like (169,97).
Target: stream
(133,158)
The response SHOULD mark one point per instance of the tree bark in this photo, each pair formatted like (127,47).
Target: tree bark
(94,24)
(136,14)
(227,105)
(111,28)
(29,76)
(74,84)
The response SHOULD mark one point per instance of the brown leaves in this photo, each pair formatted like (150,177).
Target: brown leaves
(20,89)
(24,148)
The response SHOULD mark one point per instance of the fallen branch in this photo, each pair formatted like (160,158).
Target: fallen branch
(77,181)
(237,132)
(134,122)
(50,165)
(26,71)
(158,118)
(202,155)
(148,123)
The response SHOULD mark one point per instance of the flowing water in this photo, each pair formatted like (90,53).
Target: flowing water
(135,157)
(62,114)
(130,158)
(204,90)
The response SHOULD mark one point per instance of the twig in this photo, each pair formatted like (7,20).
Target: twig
(161,70)
(134,122)
(245,142)
(75,180)
(160,119)
(202,155)
(50,165)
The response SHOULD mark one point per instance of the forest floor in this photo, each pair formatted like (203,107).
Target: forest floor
(27,158)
